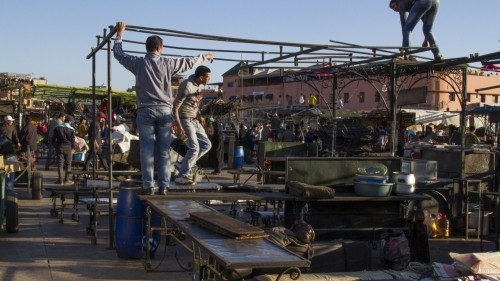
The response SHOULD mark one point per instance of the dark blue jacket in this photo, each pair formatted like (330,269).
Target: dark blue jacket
(64,134)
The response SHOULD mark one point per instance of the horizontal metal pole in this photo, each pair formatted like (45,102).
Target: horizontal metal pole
(103,43)
(488,88)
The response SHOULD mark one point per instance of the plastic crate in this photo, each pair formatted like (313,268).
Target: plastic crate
(422,169)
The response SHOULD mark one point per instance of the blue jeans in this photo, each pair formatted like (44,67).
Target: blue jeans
(427,11)
(154,125)
(197,143)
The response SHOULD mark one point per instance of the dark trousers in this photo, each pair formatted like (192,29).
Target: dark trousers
(216,154)
(50,150)
(64,159)
(99,154)
(275,135)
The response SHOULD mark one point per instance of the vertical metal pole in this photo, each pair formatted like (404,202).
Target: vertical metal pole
(21,108)
(463,121)
(110,148)
(393,109)
(335,91)
(92,141)
(463,126)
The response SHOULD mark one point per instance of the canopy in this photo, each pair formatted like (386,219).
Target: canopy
(310,112)
(435,117)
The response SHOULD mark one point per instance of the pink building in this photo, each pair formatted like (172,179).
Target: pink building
(270,88)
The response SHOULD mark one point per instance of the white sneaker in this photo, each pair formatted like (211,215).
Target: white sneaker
(183,181)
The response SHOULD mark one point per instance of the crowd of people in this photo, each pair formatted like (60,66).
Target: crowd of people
(274,129)
(61,136)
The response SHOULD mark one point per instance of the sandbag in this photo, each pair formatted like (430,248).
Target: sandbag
(304,190)
(287,238)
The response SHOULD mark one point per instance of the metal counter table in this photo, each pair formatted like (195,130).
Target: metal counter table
(351,216)
(496,195)
(227,196)
(223,254)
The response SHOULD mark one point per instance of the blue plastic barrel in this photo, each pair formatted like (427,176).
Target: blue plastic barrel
(239,157)
(130,221)
(9,182)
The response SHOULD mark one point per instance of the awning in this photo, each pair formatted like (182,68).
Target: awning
(310,112)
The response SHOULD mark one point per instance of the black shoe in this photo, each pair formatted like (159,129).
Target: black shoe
(162,191)
(147,191)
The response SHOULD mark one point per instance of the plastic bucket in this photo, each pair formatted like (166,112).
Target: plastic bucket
(80,156)
(239,157)
(130,221)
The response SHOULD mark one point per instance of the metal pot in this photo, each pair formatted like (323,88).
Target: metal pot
(403,178)
(404,189)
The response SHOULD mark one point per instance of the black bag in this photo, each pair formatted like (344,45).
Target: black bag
(7,147)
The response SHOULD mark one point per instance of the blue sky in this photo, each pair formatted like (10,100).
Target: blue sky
(51,39)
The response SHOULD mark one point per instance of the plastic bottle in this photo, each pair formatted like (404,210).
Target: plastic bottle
(444,226)
(434,227)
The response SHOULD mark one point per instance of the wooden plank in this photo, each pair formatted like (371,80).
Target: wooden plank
(226,225)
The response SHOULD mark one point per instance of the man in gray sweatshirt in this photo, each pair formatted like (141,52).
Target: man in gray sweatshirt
(153,75)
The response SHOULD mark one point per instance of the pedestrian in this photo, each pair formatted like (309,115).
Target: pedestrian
(42,128)
(10,131)
(275,126)
(153,75)
(249,140)
(188,119)
(83,127)
(96,143)
(50,133)
(216,154)
(28,138)
(410,12)
(470,137)
(63,141)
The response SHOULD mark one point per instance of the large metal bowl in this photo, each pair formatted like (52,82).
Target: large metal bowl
(372,189)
